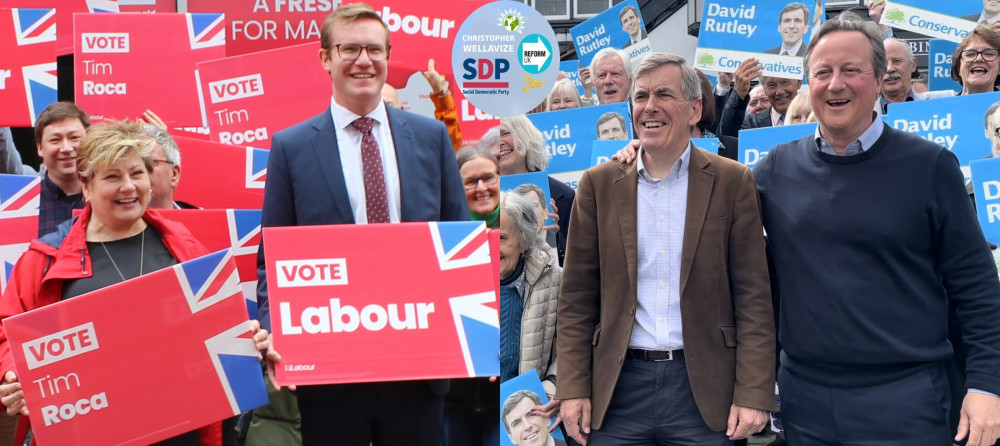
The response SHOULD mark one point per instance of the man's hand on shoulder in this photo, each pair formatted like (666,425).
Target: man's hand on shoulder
(980,419)
(576,418)
(745,421)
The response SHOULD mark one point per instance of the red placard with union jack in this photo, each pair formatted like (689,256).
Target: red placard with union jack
(361,303)
(108,365)
(28,65)
(238,229)
(115,77)
(19,198)
(221,176)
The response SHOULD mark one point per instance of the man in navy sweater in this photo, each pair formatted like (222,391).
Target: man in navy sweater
(872,236)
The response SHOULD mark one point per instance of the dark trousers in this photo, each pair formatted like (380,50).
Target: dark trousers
(910,411)
(381,414)
(653,405)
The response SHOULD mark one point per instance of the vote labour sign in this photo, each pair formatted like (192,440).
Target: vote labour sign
(113,78)
(953,122)
(986,185)
(951,21)
(733,30)
(221,176)
(108,364)
(28,66)
(361,303)
(248,98)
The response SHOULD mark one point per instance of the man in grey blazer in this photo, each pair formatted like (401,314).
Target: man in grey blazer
(361,162)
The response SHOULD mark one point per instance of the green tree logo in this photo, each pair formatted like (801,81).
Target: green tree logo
(895,16)
(706,60)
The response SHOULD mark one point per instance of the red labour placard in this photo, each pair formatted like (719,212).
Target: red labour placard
(28,65)
(361,303)
(220,176)
(117,75)
(249,97)
(109,364)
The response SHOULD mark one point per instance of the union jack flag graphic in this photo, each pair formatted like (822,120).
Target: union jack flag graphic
(19,217)
(102,5)
(206,30)
(256,167)
(41,86)
(33,26)
(460,244)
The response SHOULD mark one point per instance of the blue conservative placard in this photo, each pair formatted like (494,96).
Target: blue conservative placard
(952,20)
(939,65)
(572,70)
(619,27)
(566,131)
(955,123)
(521,425)
(604,150)
(755,143)
(986,186)
(775,32)
(541,179)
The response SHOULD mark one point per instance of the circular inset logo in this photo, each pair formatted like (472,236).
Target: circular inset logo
(505,58)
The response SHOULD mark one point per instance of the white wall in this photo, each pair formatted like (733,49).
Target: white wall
(671,36)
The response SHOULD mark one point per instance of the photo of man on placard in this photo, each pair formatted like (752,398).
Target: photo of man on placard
(523,426)
(989,14)
(611,125)
(632,25)
(793,22)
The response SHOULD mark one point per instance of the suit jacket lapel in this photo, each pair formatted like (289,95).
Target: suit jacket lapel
(625,195)
(403,141)
(700,181)
(324,144)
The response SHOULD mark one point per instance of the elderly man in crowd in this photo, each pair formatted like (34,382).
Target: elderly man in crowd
(612,72)
(646,325)
(872,238)
(897,83)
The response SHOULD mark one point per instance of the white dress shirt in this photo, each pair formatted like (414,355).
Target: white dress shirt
(349,144)
(661,207)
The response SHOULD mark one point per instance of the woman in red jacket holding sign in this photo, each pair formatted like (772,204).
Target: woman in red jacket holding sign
(112,241)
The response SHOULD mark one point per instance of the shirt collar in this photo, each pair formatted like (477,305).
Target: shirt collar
(775,116)
(989,21)
(866,140)
(674,170)
(791,51)
(342,117)
(885,104)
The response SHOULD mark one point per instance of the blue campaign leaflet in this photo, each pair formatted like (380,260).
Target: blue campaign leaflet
(521,391)
(567,131)
(755,143)
(952,20)
(986,185)
(939,65)
(572,70)
(734,30)
(541,179)
(619,27)
(955,123)
(604,150)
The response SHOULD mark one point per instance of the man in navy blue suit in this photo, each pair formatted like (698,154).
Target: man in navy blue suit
(361,162)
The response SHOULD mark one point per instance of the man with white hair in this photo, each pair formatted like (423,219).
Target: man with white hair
(612,72)
(166,174)
(897,83)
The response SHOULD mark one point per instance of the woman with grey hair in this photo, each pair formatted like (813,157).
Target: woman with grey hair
(529,291)
(563,95)
(522,150)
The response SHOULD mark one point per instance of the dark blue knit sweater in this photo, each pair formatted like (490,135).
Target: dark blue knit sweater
(868,250)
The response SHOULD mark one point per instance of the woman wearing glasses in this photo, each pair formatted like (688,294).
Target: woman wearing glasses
(481,178)
(975,63)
